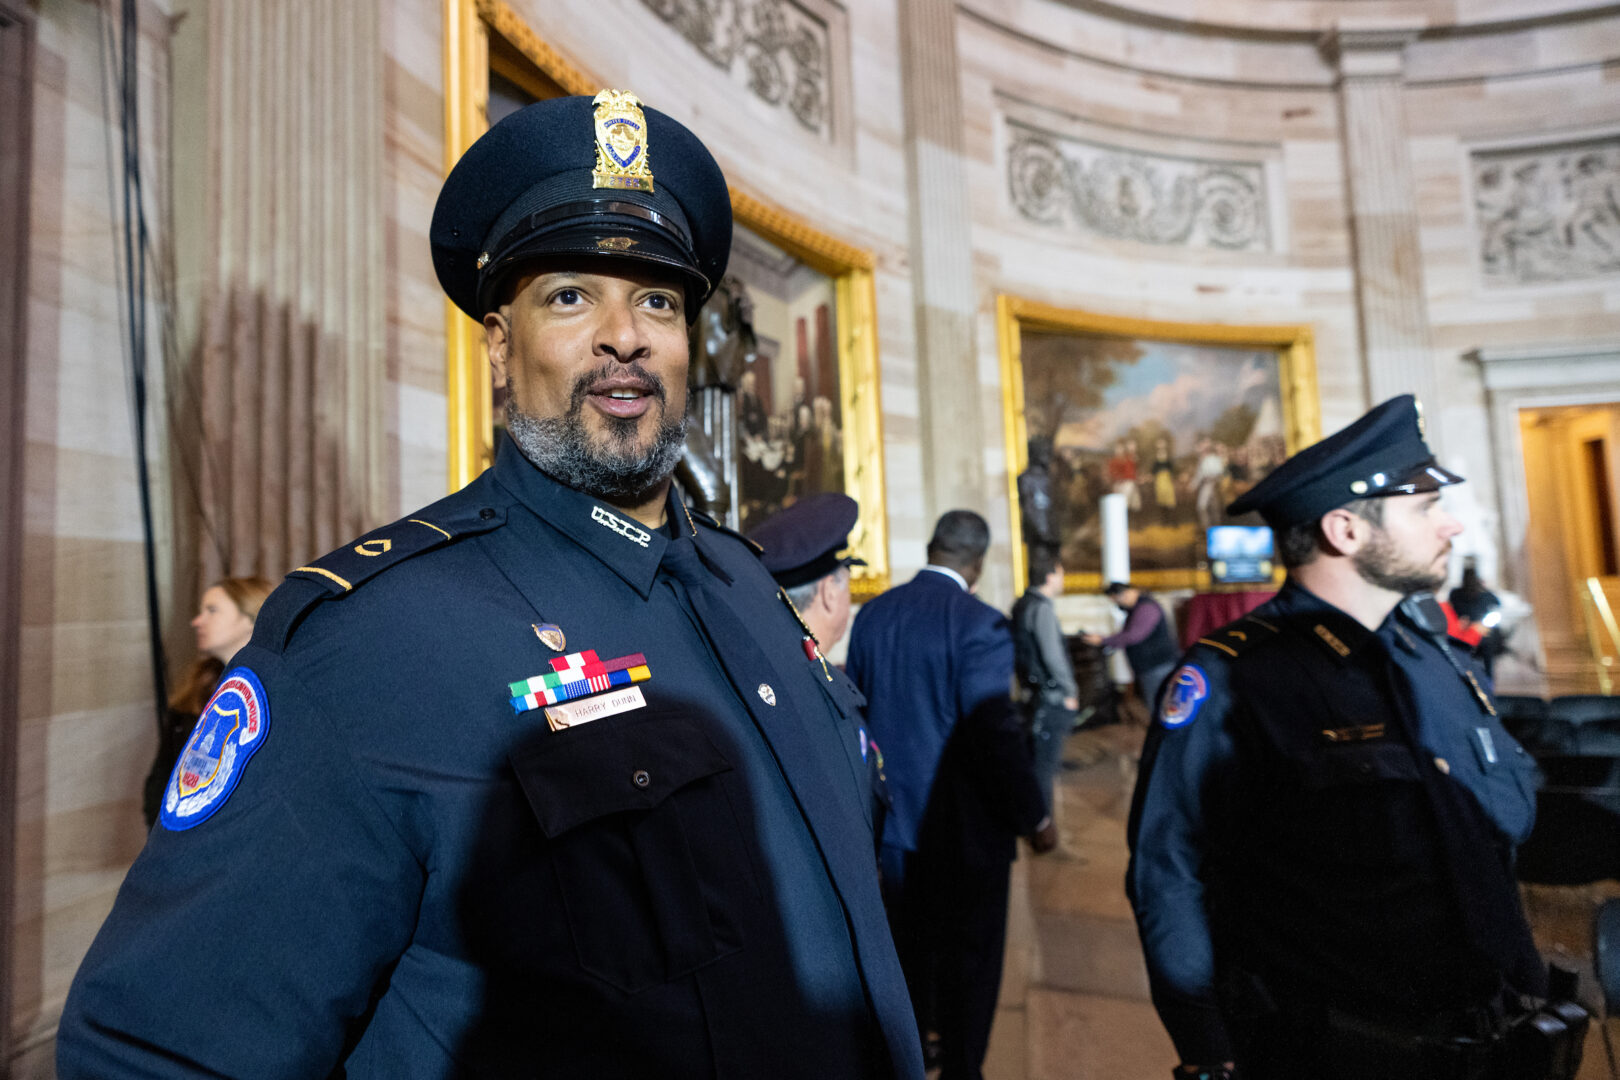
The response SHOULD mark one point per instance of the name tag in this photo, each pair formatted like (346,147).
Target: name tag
(1353,734)
(575,713)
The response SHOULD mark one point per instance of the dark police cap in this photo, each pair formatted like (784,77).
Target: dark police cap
(1383,453)
(586,177)
(802,543)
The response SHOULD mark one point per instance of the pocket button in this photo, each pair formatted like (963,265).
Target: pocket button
(641,778)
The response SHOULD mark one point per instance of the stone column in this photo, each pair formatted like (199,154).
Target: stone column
(1392,306)
(949,396)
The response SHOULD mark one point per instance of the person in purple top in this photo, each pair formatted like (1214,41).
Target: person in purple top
(1145,637)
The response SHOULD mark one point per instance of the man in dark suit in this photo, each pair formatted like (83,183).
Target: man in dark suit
(540,780)
(936,666)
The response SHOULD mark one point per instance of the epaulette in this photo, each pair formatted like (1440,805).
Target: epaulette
(340,572)
(1236,638)
(709,520)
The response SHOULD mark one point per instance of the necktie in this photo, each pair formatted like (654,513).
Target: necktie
(838,829)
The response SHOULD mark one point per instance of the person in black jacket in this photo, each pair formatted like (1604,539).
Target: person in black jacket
(539,780)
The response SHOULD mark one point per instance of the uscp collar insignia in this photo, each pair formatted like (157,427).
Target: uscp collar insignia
(1184,696)
(619,525)
(621,143)
(230,729)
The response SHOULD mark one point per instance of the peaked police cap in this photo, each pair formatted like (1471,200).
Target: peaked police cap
(802,542)
(532,188)
(1383,453)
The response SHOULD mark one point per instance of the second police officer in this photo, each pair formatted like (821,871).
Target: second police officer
(1324,825)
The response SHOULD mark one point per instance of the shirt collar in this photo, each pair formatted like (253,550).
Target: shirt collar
(623,544)
(1335,631)
(952,574)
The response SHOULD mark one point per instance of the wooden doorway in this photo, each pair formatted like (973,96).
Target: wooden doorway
(1572,474)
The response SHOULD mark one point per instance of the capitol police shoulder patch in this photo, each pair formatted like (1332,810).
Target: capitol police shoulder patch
(1186,693)
(232,726)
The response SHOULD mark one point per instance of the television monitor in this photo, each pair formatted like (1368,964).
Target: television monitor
(1240,554)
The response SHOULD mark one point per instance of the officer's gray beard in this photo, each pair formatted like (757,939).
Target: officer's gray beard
(1380,564)
(617,472)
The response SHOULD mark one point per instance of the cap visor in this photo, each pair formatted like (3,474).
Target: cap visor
(1421,478)
(593,240)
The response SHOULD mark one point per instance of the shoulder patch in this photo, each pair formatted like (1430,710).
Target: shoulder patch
(232,727)
(1184,695)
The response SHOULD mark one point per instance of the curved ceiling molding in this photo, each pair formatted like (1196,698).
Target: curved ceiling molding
(1306,19)
(1111,35)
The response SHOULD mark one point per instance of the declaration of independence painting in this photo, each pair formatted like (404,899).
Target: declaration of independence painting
(1179,428)
(790,431)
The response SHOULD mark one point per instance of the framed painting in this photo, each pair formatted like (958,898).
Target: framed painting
(809,415)
(1179,418)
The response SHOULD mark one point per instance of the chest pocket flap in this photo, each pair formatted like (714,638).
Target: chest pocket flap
(1370,762)
(611,767)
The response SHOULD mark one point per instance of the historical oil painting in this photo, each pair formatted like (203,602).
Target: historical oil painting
(789,423)
(1179,427)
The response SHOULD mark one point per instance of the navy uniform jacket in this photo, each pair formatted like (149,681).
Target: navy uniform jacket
(928,655)
(411,879)
(1306,794)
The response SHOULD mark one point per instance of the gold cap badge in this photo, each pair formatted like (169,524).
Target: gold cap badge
(621,143)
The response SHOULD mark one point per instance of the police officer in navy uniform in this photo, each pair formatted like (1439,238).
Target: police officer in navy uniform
(805,546)
(538,781)
(1324,824)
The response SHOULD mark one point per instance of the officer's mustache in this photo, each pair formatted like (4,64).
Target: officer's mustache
(646,382)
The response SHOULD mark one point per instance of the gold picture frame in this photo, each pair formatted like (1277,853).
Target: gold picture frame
(482,36)
(1296,368)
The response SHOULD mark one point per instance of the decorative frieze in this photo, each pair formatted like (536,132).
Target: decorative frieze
(1126,194)
(1548,214)
(778,48)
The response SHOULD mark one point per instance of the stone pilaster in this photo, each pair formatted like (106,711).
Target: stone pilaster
(1393,309)
(941,260)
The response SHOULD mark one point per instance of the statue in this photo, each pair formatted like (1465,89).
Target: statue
(723,341)
(723,346)
(701,476)
(1038,505)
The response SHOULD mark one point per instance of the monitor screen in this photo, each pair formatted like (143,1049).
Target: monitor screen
(1240,554)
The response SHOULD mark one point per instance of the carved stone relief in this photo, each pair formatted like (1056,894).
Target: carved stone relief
(777,47)
(1548,214)
(1131,195)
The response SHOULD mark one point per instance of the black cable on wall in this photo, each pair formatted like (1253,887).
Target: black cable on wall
(136,244)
